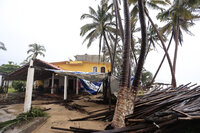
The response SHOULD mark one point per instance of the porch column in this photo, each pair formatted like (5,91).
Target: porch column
(52,83)
(77,86)
(29,87)
(65,87)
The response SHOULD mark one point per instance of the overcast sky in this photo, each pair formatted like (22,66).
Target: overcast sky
(56,25)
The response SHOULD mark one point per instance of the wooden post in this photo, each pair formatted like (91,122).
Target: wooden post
(77,86)
(65,87)
(109,90)
(29,87)
(52,83)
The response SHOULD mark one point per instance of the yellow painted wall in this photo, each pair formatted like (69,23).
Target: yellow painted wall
(82,66)
(38,83)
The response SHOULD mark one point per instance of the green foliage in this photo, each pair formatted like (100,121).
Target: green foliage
(11,90)
(34,112)
(146,77)
(101,23)
(19,85)
(3,89)
(7,68)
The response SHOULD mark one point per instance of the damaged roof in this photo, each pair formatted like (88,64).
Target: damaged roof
(40,72)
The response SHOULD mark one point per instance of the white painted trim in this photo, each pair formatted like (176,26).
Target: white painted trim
(93,69)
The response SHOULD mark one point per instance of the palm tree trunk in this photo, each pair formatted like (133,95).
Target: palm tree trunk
(165,49)
(176,45)
(148,49)
(115,2)
(133,50)
(125,98)
(115,46)
(154,77)
(100,47)
(105,38)
(143,47)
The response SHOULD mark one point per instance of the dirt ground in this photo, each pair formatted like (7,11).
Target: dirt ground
(59,115)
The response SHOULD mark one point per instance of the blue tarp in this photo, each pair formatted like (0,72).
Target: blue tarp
(90,87)
(91,81)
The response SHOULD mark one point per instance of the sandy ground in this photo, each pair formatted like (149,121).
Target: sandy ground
(9,112)
(60,116)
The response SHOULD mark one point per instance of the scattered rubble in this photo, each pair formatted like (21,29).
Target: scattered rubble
(157,110)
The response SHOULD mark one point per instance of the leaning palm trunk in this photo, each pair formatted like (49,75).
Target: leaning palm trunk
(115,47)
(143,46)
(126,97)
(165,49)
(154,77)
(109,51)
(115,2)
(133,50)
(176,45)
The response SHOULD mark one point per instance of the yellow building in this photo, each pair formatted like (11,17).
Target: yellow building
(84,63)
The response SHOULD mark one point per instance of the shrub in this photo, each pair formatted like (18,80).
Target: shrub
(19,86)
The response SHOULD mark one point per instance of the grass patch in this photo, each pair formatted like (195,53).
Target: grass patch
(11,90)
(33,113)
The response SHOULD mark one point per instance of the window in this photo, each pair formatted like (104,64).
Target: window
(103,69)
(95,69)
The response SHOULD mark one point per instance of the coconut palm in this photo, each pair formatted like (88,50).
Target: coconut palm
(153,4)
(127,95)
(116,51)
(194,5)
(101,24)
(35,50)
(124,99)
(2,46)
(179,18)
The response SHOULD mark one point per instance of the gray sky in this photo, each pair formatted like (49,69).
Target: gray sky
(56,25)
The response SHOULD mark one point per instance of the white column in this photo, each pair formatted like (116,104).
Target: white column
(52,83)
(1,80)
(65,87)
(29,88)
(77,86)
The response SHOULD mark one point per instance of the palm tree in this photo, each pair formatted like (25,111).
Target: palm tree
(155,4)
(102,23)
(194,5)
(156,73)
(116,51)
(125,95)
(2,46)
(35,50)
(179,18)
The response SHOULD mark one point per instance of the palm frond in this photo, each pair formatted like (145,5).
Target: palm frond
(87,27)
(134,12)
(84,16)
(92,11)
(2,46)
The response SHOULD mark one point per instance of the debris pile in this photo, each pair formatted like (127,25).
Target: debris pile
(157,110)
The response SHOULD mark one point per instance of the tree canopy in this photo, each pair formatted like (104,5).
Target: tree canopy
(7,68)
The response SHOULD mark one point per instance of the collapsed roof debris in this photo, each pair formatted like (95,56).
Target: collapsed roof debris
(158,109)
